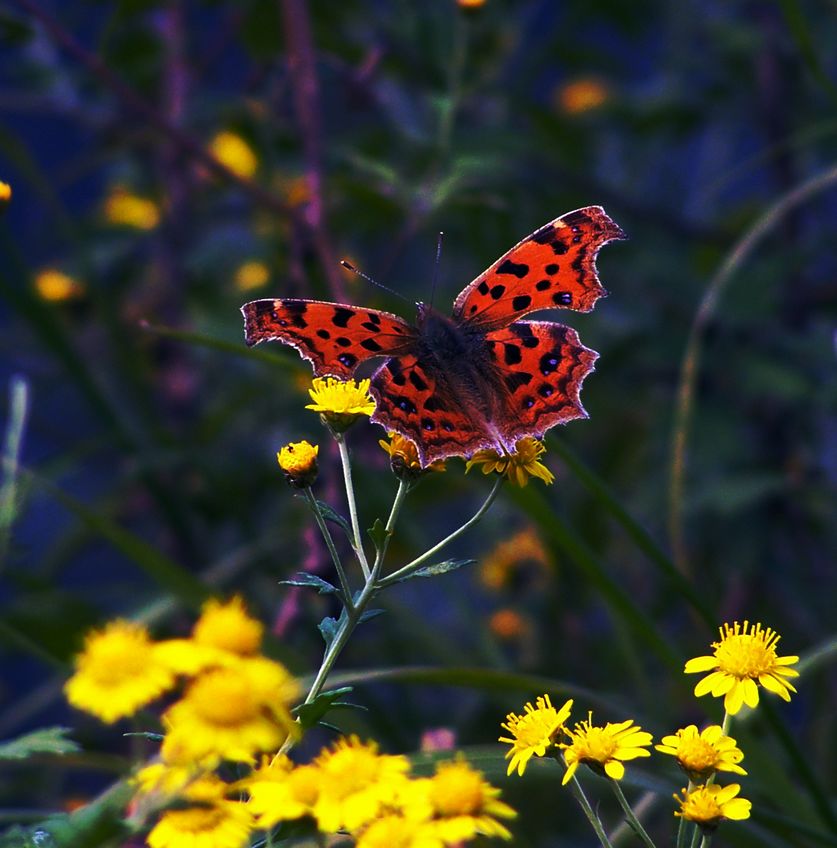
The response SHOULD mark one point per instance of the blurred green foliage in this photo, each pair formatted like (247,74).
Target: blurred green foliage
(147,476)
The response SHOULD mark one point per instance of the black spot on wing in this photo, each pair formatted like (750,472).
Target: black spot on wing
(517,379)
(544,235)
(324,334)
(342,316)
(498,291)
(521,302)
(371,345)
(552,268)
(347,359)
(543,285)
(417,381)
(511,354)
(562,298)
(518,269)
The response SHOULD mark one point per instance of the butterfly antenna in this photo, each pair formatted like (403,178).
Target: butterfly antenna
(350,267)
(436,267)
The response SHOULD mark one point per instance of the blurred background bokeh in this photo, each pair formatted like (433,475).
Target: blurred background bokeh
(169,161)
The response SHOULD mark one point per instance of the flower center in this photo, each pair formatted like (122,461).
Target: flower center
(223,698)
(535,727)
(702,807)
(457,792)
(119,657)
(744,655)
(697,755)
(598,744)
(197,819)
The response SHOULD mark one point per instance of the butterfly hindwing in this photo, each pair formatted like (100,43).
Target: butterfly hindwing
(413,401)
(555,267)
(334,337)
(542,366)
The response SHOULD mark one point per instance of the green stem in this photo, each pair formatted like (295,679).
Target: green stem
(630,815)
(408,569)
(594,820)
(18,413)
(357,542)
(403,488)
(695,836)
(335,557)
(681,828)
(707,840)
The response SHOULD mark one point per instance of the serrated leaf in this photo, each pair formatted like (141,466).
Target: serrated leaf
(378,533)
(439,568)
(303,578)
(50,740)
(332,515)
(311,713)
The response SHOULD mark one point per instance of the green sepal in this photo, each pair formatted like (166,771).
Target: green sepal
(310,714)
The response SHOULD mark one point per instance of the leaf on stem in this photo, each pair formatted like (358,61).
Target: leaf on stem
(379,534)
(49,740)
(332,515)
(310,714)
(438,568)
(303,578)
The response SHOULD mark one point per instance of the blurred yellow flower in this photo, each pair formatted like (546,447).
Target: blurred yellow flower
(280,791)
(582,95)
(397,831)
(502,565)
(251,275)
(702,753)
(508,624)
(298,460)
(55,286)
(126,209)
(745,657)
(470,4)
(517,467)
(228,626)
(232,150)
(214,821)
(356,784)
(117,673)
(5,195)
(534,732)
(604,748)
(709,805)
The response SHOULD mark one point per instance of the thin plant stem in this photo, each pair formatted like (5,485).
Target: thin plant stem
(695,837)
(692,354)
(408,569)
(707,840)
(595,821)
(403,488)
(335,557)
(12,446)
(630,815)
(357,542)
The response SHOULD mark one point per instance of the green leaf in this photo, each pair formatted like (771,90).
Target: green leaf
(49,740)
(328,629)
(368,615)
(331,515)
(438,568)
(378,533)
(310,714)
(323,587)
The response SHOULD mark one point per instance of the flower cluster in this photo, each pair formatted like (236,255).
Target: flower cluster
(743,658)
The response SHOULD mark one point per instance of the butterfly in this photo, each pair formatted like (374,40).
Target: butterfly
(480,378)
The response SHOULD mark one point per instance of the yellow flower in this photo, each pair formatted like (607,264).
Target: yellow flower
(744,657)
(228,626)
(214,822)
(470,4)
(251,275)
(519,466)
(394,831)
(709,805)
(356,783)
(117,673)
(604,748)
(502,565)
(232,712)
(581,95)
(702,753)
(464,804)
(404,458)
(280,791)
(340,402)
(298,460)
(124,208)
(232,150)
(55,286)
(5,195)
(532,733)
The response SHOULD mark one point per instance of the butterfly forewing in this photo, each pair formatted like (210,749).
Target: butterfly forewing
(555,267)
(334,337)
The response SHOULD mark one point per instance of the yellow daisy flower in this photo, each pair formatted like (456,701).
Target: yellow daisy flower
(356,783)
(517,467)
(298,460)
(702,753)
(229,627)
(126,209)
(604,748)
(464,804)
(280,791)
(745,656)
(709,805)
(232,150)
(532,733)
(214,822)
(233,712)
(118,672)
(251,275)
(340,402)
(404,458)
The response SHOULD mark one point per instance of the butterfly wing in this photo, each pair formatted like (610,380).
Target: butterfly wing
(415,400)
(333,337)
(540,368)
(555,267)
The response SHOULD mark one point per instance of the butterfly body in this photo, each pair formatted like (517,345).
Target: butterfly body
(480,378)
